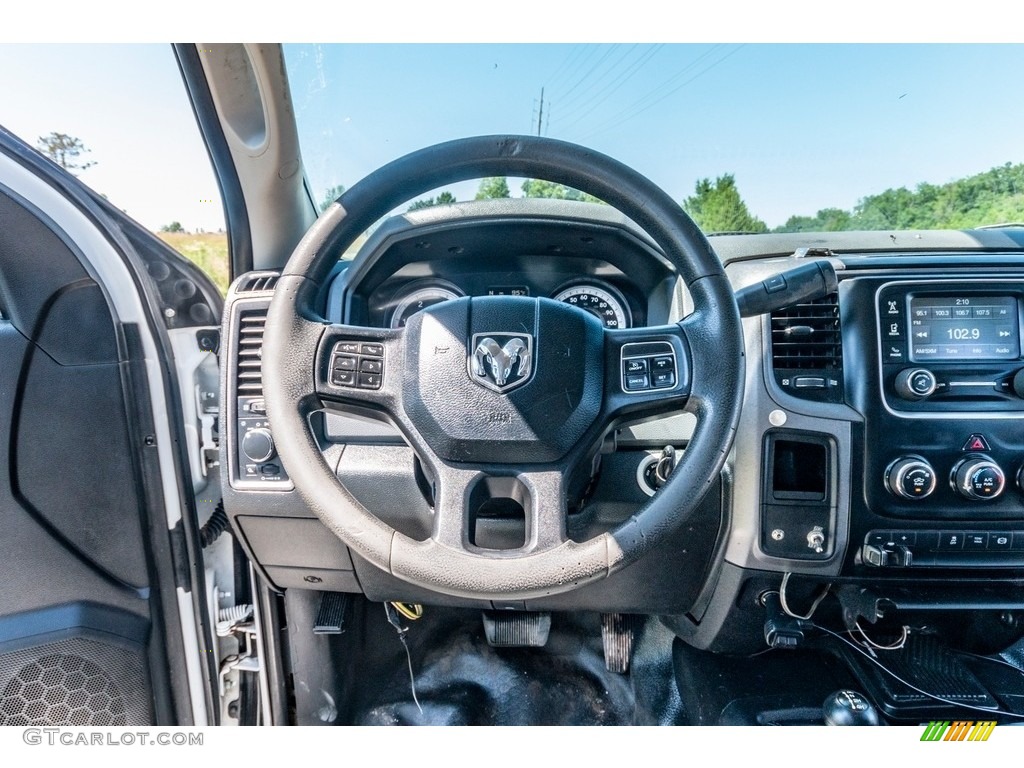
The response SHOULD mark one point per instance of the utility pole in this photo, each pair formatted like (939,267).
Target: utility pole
(540,114)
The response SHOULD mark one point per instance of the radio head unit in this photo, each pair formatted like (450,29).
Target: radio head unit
(963,327)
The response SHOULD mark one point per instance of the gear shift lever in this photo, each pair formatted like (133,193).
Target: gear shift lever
(847,707)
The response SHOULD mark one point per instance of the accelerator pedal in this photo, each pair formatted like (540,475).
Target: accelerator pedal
(618,631)
(330,615)
(516,629)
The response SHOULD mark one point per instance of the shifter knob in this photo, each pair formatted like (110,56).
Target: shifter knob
(848,707)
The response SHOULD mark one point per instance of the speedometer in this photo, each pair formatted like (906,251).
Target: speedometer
(604,302)
(420,299)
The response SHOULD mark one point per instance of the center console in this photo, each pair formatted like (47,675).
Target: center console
(941,374)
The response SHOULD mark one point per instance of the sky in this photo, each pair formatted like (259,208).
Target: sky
(801,127)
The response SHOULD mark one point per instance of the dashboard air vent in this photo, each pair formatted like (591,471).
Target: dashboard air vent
(258,282)
(807,349)
(251,323)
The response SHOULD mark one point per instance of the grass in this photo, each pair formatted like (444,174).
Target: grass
(207,250)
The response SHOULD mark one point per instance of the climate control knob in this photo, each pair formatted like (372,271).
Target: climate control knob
(258,445)
(910,477)
(978,478)
(915,383)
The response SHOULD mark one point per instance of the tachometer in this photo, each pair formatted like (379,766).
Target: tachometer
(603,301)
(420,299)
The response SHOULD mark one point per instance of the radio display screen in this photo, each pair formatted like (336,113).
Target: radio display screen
(964,328)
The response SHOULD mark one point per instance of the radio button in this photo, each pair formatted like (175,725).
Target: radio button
(915,383)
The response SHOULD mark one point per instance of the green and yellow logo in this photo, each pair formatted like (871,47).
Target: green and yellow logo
(959,730)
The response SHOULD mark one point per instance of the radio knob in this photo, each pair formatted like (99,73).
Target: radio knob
(915,383)
(978,478)
(910,477)
(258,445)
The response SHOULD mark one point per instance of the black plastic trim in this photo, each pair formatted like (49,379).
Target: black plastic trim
(236,217)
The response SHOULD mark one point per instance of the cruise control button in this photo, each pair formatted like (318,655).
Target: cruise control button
(343,378)
(634,366)
(1000,540)
(377,350)
(637,382)
(344,363)
(666,363)
(975,541)
(347,347)
(663,379)
(371,365)
(951,540)
(369,380)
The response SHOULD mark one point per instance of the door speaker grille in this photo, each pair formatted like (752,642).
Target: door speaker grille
(76,682)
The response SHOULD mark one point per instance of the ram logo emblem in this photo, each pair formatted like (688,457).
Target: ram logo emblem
(501,361)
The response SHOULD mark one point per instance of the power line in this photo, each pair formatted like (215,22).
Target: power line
(613,123)
(600,98)
(581,93)
(575,53)
(590,71)
(589,52)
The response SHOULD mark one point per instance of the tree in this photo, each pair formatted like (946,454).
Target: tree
(445,198)
(330,196)
(174,226)
(493,188)
(718,207)
(551,190)
(65,151)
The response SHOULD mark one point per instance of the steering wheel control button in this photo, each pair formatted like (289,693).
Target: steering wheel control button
(915,383)
(343,378)
(355,364)
(910,477)
(978,478)
(663,379)
(369,381)
(637,383)
(648,365)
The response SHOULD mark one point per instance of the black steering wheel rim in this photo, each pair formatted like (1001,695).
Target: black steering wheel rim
(295,332)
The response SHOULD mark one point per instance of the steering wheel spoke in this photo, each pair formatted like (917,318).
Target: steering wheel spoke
(502,515)
(647,370)
(360,366)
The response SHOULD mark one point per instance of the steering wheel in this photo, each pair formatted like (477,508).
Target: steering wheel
(503,396)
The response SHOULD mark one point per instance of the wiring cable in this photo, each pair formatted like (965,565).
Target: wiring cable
(874,660)
(785,606)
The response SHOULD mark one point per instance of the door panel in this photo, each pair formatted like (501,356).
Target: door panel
(88,544)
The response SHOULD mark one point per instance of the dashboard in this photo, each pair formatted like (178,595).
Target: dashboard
(880,443)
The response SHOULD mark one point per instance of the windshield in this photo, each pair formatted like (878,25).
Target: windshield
(748,138)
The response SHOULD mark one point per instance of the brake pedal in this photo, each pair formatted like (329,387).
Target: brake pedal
(516,629)
(618,631)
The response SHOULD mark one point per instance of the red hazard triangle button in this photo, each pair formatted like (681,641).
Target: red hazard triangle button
(975,443)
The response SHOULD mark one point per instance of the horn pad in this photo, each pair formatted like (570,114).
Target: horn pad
(505,379)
